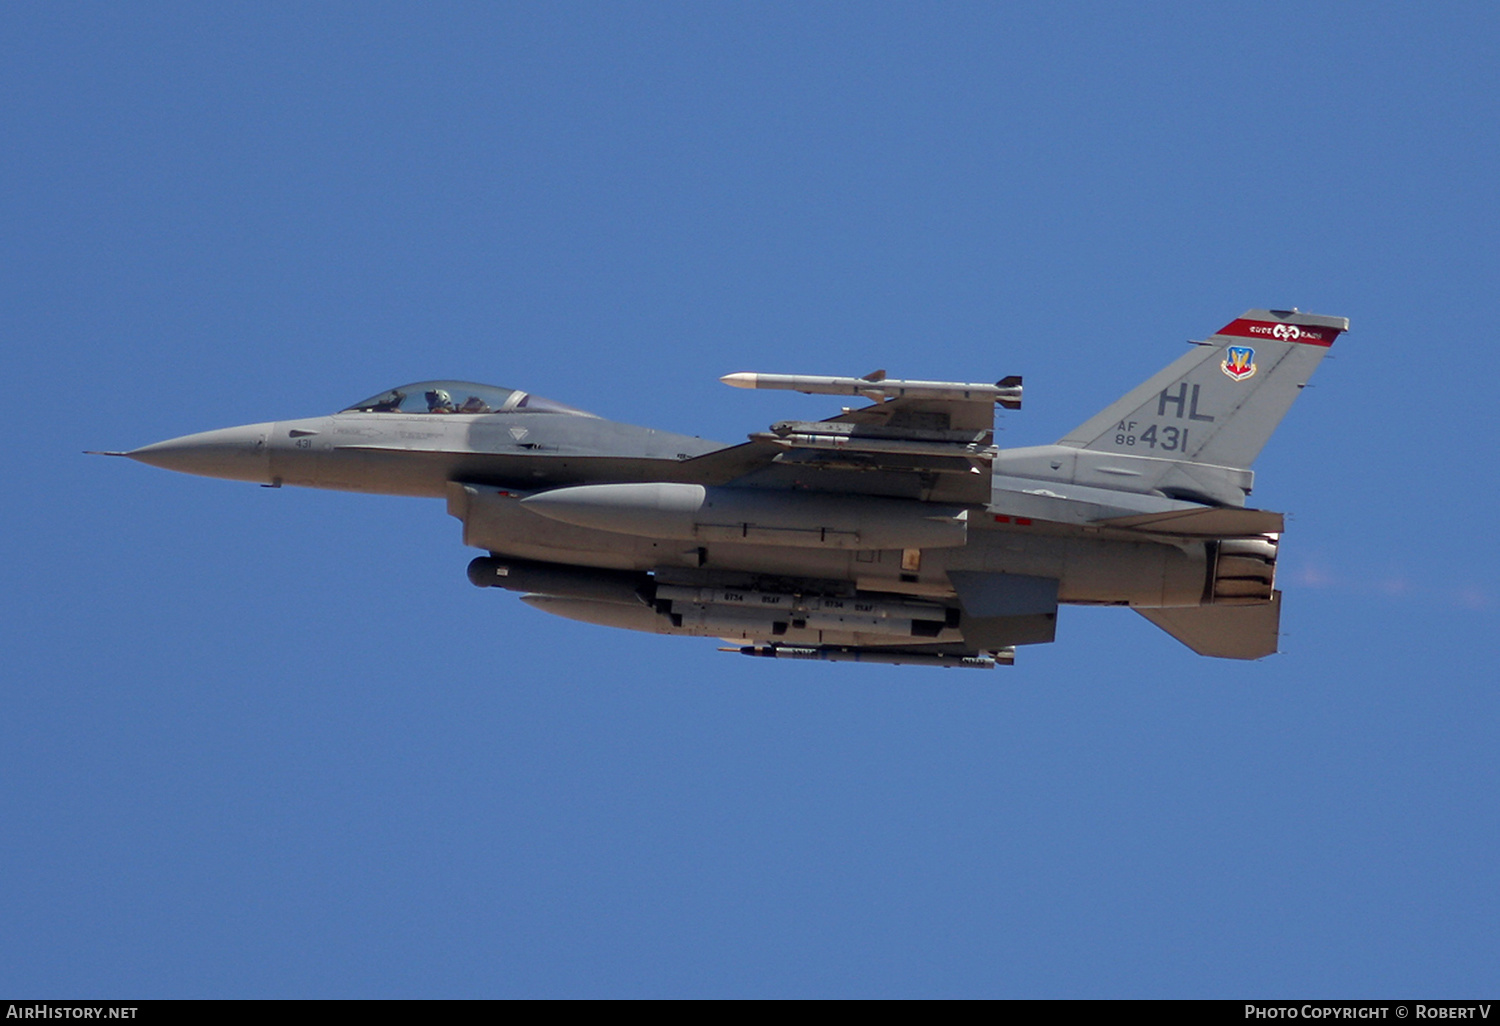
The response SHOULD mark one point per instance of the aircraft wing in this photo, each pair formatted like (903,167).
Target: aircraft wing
(919,439)
(728,464)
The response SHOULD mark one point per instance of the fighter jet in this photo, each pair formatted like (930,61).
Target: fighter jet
(893,532)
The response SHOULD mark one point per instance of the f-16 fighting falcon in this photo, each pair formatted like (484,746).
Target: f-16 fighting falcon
(895,532)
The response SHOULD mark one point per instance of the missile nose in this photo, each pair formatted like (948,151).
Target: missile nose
(237,453)
(743,379)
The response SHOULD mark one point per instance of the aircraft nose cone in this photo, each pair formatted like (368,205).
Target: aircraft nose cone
(237,453)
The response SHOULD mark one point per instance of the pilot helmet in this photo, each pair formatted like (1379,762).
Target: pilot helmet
(439,399)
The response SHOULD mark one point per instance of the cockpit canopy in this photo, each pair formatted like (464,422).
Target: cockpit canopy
(459,397)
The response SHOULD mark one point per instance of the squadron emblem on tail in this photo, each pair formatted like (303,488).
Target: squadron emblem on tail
(1239,362)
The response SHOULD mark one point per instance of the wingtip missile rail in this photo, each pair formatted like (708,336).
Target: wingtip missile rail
(1006,391)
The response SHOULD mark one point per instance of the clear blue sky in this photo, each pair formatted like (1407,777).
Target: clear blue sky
(272,743)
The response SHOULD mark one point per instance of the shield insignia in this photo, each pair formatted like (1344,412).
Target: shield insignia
(1239,362)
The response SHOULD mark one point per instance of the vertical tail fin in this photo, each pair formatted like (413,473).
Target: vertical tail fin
(1219,403)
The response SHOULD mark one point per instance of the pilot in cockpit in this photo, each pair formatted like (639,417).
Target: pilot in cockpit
(438,397)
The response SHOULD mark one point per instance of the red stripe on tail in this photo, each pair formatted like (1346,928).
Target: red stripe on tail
(1276,331)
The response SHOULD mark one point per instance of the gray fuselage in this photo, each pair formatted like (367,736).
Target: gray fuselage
(484,464)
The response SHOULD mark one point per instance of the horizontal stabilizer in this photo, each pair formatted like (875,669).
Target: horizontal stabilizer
(1228,632)
(1212,522)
